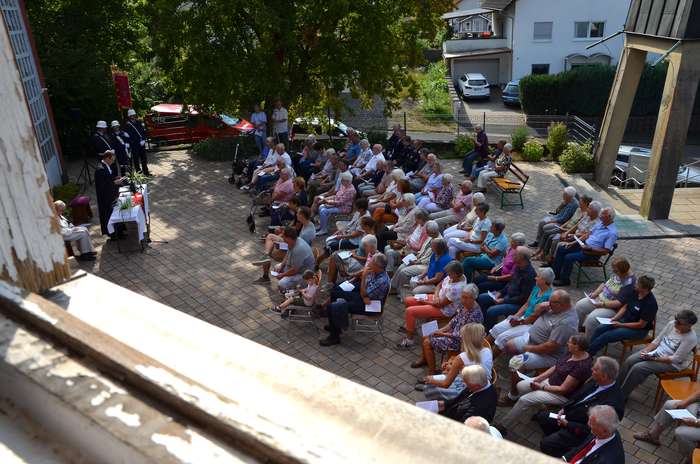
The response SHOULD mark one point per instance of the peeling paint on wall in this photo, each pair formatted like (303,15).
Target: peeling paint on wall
(197,450)
(132,420)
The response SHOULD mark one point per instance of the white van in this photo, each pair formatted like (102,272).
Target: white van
(474,85)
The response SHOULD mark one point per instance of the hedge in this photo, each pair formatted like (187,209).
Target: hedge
(584,91)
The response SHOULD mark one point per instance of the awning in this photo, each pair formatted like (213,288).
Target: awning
(465,13)
(472,53)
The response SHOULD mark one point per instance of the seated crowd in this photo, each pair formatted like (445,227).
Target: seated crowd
(391,223)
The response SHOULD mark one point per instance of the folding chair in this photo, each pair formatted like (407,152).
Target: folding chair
(304,314)
(593,263)
(369,323)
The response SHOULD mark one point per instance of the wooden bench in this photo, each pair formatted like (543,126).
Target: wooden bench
(511,187)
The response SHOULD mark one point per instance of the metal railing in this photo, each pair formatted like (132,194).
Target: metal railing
(634,181)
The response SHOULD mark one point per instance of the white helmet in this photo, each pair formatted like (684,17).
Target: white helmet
(101,124)
(131,112)
(115,123)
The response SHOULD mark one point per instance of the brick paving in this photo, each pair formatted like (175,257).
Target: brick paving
(204,270)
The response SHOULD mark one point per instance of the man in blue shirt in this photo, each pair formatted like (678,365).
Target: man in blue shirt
(353,148)
(551,224)
(600,242)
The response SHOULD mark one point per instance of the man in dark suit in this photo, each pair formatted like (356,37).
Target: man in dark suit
(571,427)
(478,399)
(603,445)
(137,137)
(107,189)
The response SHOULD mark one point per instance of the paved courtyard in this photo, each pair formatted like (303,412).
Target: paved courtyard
(200,260)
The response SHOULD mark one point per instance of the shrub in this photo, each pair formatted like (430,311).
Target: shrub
(557,136)
(519,137)
(533,151)
(577,157)
(224,149)
(65,192)
(434,94)
(463,145)
(375,136)
(584,91)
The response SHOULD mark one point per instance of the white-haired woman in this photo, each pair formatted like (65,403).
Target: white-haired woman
(397,249)
(419,265)
(459,207)
(446,340)
(340,203)
(391,192)
(352,266)
(362,159)
(462,229)
(500,168)
(433,184)
(520,322)
(441,200)
(557,218)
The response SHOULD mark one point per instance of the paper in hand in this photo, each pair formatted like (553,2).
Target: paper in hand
(374,306)
(555,416)
(428,328)
(408,259)
(344,255)
(590,298)
(431,406)
(347,286)
(525,377)
(579,241)
(679,414)
(492,295)
(274,273)
(604,320)
(282,245)
(421,296)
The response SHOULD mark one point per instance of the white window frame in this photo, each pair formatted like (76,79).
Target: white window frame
(551,33)
(588,34)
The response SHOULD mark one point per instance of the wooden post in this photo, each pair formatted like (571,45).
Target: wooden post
(617,112)
(32,254)
(671,131)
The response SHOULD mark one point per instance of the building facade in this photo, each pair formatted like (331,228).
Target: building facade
(535,37)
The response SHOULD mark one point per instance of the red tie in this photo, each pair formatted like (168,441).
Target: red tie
(582,454)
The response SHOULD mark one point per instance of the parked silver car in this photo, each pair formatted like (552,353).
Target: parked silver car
(632,165)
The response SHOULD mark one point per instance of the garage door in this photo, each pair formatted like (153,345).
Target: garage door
(489,68)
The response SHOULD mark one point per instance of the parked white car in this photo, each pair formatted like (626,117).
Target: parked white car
(632,165)
(474,85)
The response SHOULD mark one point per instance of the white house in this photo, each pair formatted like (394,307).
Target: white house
(534,37)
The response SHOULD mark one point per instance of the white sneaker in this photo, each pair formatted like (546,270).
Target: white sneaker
(405,344)
(245,188)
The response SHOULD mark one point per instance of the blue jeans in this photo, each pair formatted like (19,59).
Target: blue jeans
(469,160)
(260,144)
(486,285)
(564,262)
(475,263)
(493,311)
(324,214)
(496,311)
(605,334)
(477,171)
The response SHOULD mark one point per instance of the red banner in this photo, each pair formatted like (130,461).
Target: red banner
(121,87)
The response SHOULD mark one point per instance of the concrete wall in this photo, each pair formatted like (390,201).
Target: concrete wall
(562,14)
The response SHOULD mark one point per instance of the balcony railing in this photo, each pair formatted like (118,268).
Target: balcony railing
(471,44)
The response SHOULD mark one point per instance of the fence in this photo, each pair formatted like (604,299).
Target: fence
(445,127)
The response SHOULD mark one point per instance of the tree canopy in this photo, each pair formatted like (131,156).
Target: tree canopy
(228,54)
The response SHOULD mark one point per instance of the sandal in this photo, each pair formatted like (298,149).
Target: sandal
(276,310)
(417,364)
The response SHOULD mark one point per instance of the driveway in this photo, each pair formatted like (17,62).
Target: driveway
(499,120)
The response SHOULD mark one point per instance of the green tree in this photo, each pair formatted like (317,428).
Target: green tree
(77,42)
(228,54)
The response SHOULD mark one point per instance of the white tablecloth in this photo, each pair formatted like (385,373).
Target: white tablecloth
(135,214)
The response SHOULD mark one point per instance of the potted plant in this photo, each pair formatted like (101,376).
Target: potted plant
(135,179)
